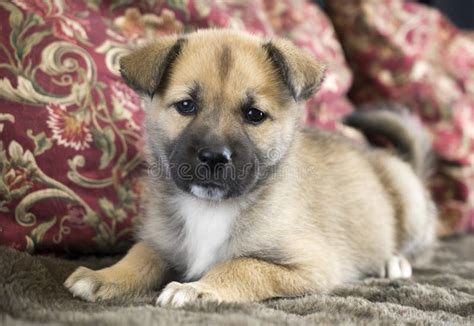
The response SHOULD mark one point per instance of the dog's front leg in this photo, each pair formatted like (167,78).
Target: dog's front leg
(138,271)
(239,280)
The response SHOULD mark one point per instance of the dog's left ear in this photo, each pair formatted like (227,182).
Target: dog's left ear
(146,69)
(300,71)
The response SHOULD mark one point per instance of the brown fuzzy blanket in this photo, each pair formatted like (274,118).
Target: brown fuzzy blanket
(31,291)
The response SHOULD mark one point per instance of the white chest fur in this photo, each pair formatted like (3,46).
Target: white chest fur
(207,229)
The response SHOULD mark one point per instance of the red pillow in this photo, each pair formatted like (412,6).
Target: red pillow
(69,130)
(410,53)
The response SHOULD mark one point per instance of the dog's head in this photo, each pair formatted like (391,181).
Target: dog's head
(222,106)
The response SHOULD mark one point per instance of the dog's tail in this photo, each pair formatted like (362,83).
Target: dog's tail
(394,124)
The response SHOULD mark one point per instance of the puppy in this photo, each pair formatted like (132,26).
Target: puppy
(242,204)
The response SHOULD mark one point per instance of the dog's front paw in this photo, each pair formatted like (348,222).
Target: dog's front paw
(95,285)
(178,294)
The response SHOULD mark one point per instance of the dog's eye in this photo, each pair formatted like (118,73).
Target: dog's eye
(254,115)
(185,107)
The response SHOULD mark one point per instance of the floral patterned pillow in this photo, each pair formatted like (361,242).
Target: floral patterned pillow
(403,51)
(70,129)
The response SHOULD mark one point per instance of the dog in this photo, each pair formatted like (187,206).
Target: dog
(241,204)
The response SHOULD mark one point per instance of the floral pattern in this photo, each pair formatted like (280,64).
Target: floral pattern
(406,52)
(64,25)
(70,130)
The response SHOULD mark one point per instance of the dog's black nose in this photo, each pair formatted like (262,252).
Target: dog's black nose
(214,156)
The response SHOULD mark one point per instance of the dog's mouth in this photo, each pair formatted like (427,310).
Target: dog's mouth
(214,177)
(208,190)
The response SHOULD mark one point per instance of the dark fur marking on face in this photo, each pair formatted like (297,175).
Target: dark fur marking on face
(248,102)
(235,178)
(225,62)
(195,91)
(279,62)
(164,72)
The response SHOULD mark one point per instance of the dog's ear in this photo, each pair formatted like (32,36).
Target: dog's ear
(300,71)
(146,69)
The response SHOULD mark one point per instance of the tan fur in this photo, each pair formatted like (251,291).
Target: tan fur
(330,213)
(258,280)
(140,270)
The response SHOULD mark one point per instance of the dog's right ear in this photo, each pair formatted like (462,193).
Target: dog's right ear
(300,71)
(146,69)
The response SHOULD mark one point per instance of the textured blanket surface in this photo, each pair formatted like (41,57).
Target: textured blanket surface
(31,291)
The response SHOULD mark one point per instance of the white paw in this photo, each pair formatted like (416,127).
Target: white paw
(177,294)
(83,283)
(84,289)
(397,267)
(93,286)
